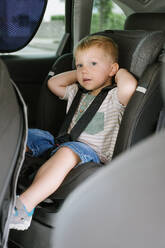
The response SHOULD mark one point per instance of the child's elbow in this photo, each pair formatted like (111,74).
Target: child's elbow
(127,92)
(51,85)
(133,85)
(131,88)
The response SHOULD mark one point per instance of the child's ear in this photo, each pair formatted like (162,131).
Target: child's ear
(114,69)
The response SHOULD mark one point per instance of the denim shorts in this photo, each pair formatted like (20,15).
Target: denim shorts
(39,141)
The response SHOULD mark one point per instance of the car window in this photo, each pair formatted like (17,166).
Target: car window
(106,15)
(50,32)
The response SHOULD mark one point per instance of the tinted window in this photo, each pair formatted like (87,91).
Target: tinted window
(50,32)
(106,15)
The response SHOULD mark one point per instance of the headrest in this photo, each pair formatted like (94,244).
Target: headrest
(137,49)
(145,21)
(19,22)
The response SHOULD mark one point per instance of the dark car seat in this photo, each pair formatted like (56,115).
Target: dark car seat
(138,53)
(138,121)
(148,21)
(141,121)
(13,131)
(145,21)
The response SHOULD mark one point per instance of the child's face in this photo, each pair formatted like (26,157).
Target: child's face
(94,68)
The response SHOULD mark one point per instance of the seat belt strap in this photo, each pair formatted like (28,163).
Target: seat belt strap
(86,117)
(70,114)
(89,114)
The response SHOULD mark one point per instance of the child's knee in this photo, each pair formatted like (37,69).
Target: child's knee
(68,152)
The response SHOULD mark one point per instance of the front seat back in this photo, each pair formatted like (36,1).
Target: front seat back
(120,206)
(12,143)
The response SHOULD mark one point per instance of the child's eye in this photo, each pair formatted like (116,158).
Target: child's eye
(94,63)
(79,65)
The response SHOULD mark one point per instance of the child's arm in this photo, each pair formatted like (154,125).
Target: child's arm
(126,84)
(58,83)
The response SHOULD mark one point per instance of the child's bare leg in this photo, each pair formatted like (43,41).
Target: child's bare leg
(49,177)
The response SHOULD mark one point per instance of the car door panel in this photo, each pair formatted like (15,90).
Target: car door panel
(29,73)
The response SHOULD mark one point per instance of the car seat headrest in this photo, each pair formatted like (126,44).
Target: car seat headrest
(137,49)
(145,21)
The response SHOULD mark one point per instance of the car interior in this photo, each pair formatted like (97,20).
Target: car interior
(137,159)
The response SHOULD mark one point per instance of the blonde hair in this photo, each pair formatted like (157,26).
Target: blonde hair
(104,42)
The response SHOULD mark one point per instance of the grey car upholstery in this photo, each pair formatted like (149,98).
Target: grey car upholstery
(141,115)
(13,135)
(120,206)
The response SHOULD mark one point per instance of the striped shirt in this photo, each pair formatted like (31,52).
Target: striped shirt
(101,132)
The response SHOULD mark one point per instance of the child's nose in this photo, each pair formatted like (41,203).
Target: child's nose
(84,69)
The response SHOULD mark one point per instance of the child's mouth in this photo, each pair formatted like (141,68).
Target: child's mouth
(86,79)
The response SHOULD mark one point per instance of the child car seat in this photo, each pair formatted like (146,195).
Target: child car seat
(137,21)
(142,113)
(132,213)
(13,131)
(133,56)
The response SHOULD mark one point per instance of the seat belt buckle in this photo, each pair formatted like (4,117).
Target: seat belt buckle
(62,139)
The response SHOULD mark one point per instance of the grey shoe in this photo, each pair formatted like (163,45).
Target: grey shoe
(21,218)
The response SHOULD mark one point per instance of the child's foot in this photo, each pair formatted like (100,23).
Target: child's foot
(21,218)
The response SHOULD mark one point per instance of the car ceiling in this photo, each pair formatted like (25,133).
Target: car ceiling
(131,6)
